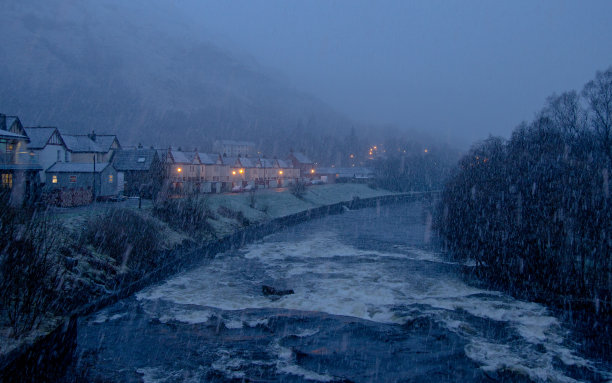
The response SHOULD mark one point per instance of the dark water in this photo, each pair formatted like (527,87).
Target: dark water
(374,301)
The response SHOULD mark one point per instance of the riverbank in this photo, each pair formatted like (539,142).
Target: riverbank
(96,279)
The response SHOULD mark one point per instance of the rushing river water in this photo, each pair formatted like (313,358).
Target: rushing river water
(374,301)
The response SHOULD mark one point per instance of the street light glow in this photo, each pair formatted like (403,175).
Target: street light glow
(179,170)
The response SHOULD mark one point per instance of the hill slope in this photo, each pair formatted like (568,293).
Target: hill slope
(139,69)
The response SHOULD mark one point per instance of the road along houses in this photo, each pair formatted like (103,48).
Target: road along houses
(44,164)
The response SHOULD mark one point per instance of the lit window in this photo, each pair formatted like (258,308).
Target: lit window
(280,172)
(312,171)
(110,178)
(179,170)
(54,179)
(7,180)
(241,171)
(72,179)
(233,172)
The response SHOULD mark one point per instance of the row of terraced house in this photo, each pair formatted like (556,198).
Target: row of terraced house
(43,163)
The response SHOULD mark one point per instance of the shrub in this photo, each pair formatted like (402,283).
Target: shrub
(126,236)
(186,214)
(298,189)
(237,215)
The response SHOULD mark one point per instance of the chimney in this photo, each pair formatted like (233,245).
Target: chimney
(92,136)
(2,121)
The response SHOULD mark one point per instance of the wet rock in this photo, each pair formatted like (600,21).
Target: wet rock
(271,291)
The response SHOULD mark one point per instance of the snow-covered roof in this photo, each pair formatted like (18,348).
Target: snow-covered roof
(39,136)
(10,135)
(134,159)
(181,157)
(231,161)
(208,159)
(85,144)
(268,163)
(80,144)
(105,141)
(74,167)
(301,158)
(284,164)
(249,162)
(10,120)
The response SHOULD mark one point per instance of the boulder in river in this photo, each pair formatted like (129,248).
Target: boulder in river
(269,290)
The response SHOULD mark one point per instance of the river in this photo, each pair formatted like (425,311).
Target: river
(374,300)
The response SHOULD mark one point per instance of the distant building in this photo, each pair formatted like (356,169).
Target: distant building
(232,148)
(352,174)
(288,174)
(139,171)
(216,174)
(303,163)
(19,167)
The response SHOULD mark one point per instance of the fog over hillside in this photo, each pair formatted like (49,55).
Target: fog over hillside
(138,69)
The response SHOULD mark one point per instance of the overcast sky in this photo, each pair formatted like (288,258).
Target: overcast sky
(461,68)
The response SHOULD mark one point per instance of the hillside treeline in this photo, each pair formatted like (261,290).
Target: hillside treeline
(534,212)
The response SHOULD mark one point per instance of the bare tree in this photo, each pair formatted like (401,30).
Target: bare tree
(598,94)
(566,113)
(30,274)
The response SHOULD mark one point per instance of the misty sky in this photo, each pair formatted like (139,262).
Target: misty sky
(461,68)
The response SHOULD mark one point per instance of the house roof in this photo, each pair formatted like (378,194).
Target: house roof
(268,163)
(231,161)
(105,141)
(181,157)
(284,164)
(84,143)
(74,167)
(134,159)
(301,158)
(81,144)
(10,135)
(39,136)
(10,120)
(208,158)
(248,162)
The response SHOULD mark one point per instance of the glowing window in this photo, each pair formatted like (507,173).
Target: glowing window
(110,178)
(54,179)
(7,180)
